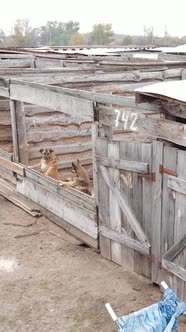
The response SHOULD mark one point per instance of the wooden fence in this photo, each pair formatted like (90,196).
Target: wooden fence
(139,178)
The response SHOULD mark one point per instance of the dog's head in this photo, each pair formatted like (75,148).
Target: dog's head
(46,153)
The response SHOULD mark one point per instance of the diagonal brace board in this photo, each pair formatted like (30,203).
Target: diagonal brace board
(125,240)
(171,254)
(174,251)
(124,206)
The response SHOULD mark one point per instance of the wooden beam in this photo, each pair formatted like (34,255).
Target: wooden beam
(128,165)
(174,251)
(138,121)
(14,130)
(8,191)
(177,184)
(79,217)
(174,268)
(124,206)
(71,195)
(16,168)
(125,240)
(54,100)
(21,132)
(126,76)
(5,155)
(15,63)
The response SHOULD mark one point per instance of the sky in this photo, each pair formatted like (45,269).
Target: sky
(126,17)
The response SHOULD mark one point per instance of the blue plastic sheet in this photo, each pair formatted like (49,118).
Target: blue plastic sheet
(159,317)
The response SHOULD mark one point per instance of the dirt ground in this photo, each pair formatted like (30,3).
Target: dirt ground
(49,282)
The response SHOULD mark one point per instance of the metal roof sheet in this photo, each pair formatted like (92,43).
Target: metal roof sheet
(174,90)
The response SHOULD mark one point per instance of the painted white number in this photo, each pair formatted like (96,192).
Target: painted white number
(133,115)
(117,118)
(127,117)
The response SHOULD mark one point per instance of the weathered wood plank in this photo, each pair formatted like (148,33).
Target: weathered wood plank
(132,76)
(8,191)
(15,63)
(157,158)
(53,100)
(74,215)
(141,197)
(171,254)
(168,208)
(91,96)
(176,270)
(127,254)
(72,195)
(7,164)
(14,131)
(4,92)
(21,132)
(125,240)
(114,208)
(6,155)
(177,184)
(174,109)
(129,214)
(162,128)
(180,225)
(127,165)
(94,128)
(101,148)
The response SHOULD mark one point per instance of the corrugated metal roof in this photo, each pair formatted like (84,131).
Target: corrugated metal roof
(177,49)
(174,90)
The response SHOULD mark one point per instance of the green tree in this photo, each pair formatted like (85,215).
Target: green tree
(23,35)
(127,40)
(101,34)
(148,35)
(58,33)
(76,39)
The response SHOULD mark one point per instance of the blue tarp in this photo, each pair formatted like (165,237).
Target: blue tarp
(159,317)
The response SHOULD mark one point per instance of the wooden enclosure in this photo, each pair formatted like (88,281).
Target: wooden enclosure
(132,145)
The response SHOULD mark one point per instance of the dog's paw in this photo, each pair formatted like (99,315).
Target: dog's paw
(61,183)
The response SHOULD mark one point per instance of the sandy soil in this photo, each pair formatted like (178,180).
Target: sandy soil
(49,282)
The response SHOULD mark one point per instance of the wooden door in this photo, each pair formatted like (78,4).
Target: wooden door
(126,187)
(173,239)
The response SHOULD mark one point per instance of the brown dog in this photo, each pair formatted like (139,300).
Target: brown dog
(81,181)
(48,164)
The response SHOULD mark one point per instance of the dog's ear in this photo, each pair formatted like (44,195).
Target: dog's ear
(73,167)
(50,150)
(78,161)
(41,150)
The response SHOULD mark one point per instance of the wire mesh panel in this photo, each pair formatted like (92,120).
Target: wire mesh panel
(68,136)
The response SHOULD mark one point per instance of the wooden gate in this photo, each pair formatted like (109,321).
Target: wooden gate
(173,234)
(141,200)
(127,211)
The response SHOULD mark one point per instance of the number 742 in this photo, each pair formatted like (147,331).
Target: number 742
(128,119)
